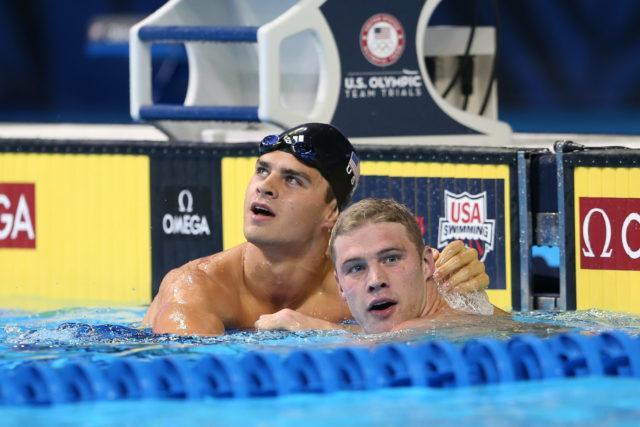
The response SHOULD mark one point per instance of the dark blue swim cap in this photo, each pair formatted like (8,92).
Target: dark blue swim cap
(325,148)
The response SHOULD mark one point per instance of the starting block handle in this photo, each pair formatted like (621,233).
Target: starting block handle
(303,16)
(181,34)
(142,107)
(199,113)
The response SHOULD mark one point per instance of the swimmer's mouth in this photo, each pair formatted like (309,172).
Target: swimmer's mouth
(259,209)
(381,305)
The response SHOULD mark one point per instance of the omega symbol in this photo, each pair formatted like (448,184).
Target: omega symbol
(606,249)
(607,252)
(185,194)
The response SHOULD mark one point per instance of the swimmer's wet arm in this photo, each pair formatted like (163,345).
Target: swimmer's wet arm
(184,304)
(291,320)
(179,319)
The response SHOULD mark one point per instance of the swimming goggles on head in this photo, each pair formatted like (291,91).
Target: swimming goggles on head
(301,150)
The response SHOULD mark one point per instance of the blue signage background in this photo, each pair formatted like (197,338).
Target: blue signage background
(426,198)
(379,115)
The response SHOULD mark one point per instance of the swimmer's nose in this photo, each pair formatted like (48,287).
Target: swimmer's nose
(377,280)
(266,188)
(266,192)
(375,286)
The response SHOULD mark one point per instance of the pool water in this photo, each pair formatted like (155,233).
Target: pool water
(578,402)
(103,334)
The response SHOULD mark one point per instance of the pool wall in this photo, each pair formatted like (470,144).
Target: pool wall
(599,205)
(100,223)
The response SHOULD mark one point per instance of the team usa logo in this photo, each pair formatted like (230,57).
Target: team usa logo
(382,39)
(18,216)
(466,219)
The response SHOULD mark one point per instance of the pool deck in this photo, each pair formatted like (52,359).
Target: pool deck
(142,132)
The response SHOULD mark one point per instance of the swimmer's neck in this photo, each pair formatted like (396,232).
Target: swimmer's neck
(434,304)
(285,277)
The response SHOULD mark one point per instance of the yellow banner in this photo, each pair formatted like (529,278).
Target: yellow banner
(607,263)
(92,232)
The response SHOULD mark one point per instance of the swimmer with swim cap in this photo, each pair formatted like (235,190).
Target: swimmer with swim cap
(324,148)
(303,178)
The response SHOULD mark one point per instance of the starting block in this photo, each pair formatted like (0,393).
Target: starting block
(357,65)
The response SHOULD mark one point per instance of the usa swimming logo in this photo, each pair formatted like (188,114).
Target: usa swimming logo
(466,219)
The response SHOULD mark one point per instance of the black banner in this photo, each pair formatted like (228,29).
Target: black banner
(186,211)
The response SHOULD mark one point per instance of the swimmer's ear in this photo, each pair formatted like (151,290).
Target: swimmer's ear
(428,262)
(333,214)
(335,276)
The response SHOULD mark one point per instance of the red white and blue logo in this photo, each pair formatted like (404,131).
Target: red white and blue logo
(382,39)
(466,219)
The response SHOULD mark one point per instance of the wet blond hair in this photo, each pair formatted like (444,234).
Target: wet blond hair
(375,211)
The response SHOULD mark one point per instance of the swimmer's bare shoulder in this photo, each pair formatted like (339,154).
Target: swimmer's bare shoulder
(200,297)
(450,317)
(326,303)
(442,314)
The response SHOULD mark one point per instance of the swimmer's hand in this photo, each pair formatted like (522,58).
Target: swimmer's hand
(290,320)
(459,270)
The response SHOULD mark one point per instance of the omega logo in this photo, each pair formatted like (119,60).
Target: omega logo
(186,223)
(610,237)
(17,216)
(185,194)
(606,249)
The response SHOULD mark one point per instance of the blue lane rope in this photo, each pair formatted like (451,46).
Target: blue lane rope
(198,34)
(437,364)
